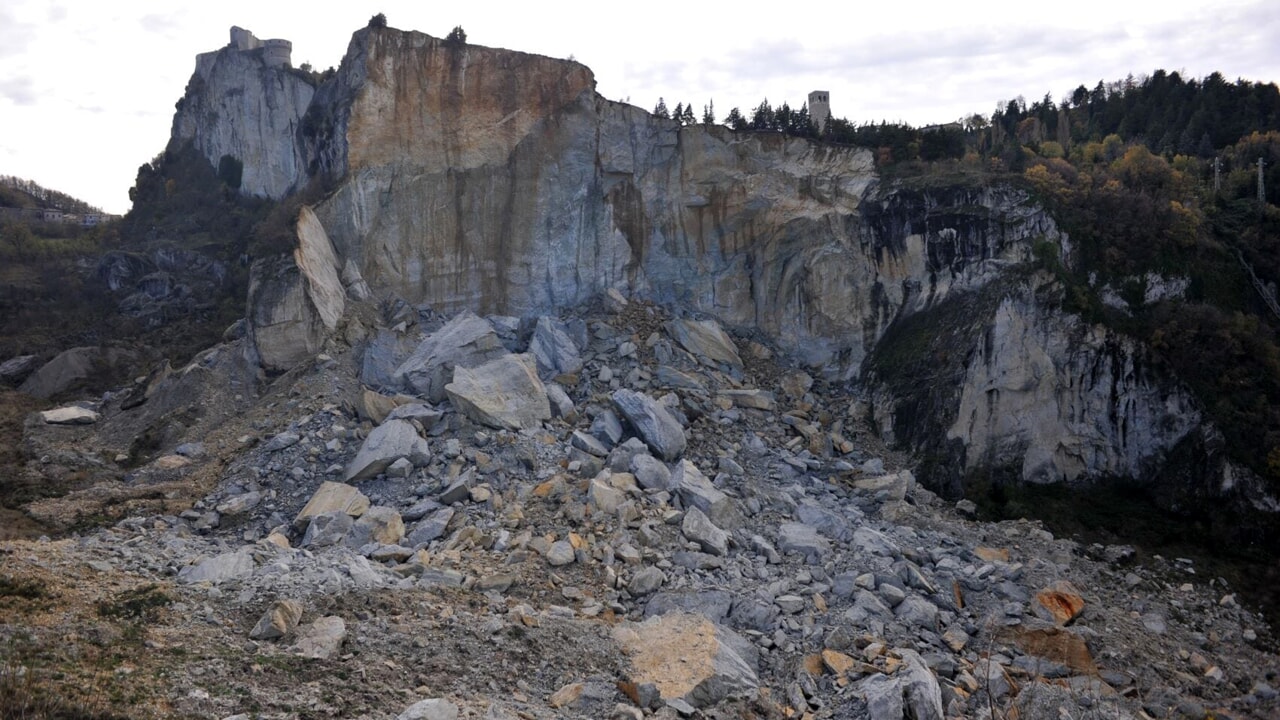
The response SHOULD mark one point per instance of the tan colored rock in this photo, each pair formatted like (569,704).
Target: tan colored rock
(332,497)
(170,462)
(795,384)
(315,258)
(989,554)
(278,621)
(377,406)
(321,639)
(381,525)
(566,695)
(687,656)
(837,662)
(892,487)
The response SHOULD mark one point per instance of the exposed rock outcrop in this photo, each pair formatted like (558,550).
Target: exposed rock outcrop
(491,181)
(239,107)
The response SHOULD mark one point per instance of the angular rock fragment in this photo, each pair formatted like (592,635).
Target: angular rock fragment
(1060,602)
(467,341)
(657,427)
(705,340)
(278,621)
(321,639)
(698,528)
(332,497)
(382,525)
(696,490)
(754,399)
(504,393)
(328,529)
(650,473)
(390,441)
(553,350)
(803,540)
(689,658)
(70,415)
(218,569)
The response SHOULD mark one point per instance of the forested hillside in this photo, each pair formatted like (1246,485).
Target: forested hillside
(1156,180)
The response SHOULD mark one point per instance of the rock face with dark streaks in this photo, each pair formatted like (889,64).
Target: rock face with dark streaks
(467,178)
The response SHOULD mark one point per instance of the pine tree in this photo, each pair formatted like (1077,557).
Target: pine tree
(735,120)
(660,110)
(709,113)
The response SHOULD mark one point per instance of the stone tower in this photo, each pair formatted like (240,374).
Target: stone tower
(820,108)
(275,53)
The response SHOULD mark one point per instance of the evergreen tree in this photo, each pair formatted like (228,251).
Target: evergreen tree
(709,113)
(762,116)
(735,120)
(660,110)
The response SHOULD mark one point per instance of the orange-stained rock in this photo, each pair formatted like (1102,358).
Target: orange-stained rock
(1053,643)
(1062,601)
(837,662)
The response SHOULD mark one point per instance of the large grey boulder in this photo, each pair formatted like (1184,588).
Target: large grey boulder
(705,340)
(803,540)
(285,326)
(504,393)
(920,688)
(689,658)
(657,427)
(650,473)
(384,352)
(697,527)
(431,527)
(327,529)
(73,366)
(912,692)
(321,639)
(218,569)
(553,349)
(695,490)
(16,369)
(467,341)
(390,441)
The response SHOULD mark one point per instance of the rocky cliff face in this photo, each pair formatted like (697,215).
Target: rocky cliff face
(237,106)
(466,177)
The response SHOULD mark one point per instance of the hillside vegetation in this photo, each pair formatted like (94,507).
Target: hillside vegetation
(1154,179)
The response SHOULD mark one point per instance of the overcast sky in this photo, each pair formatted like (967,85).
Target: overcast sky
(87,88)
